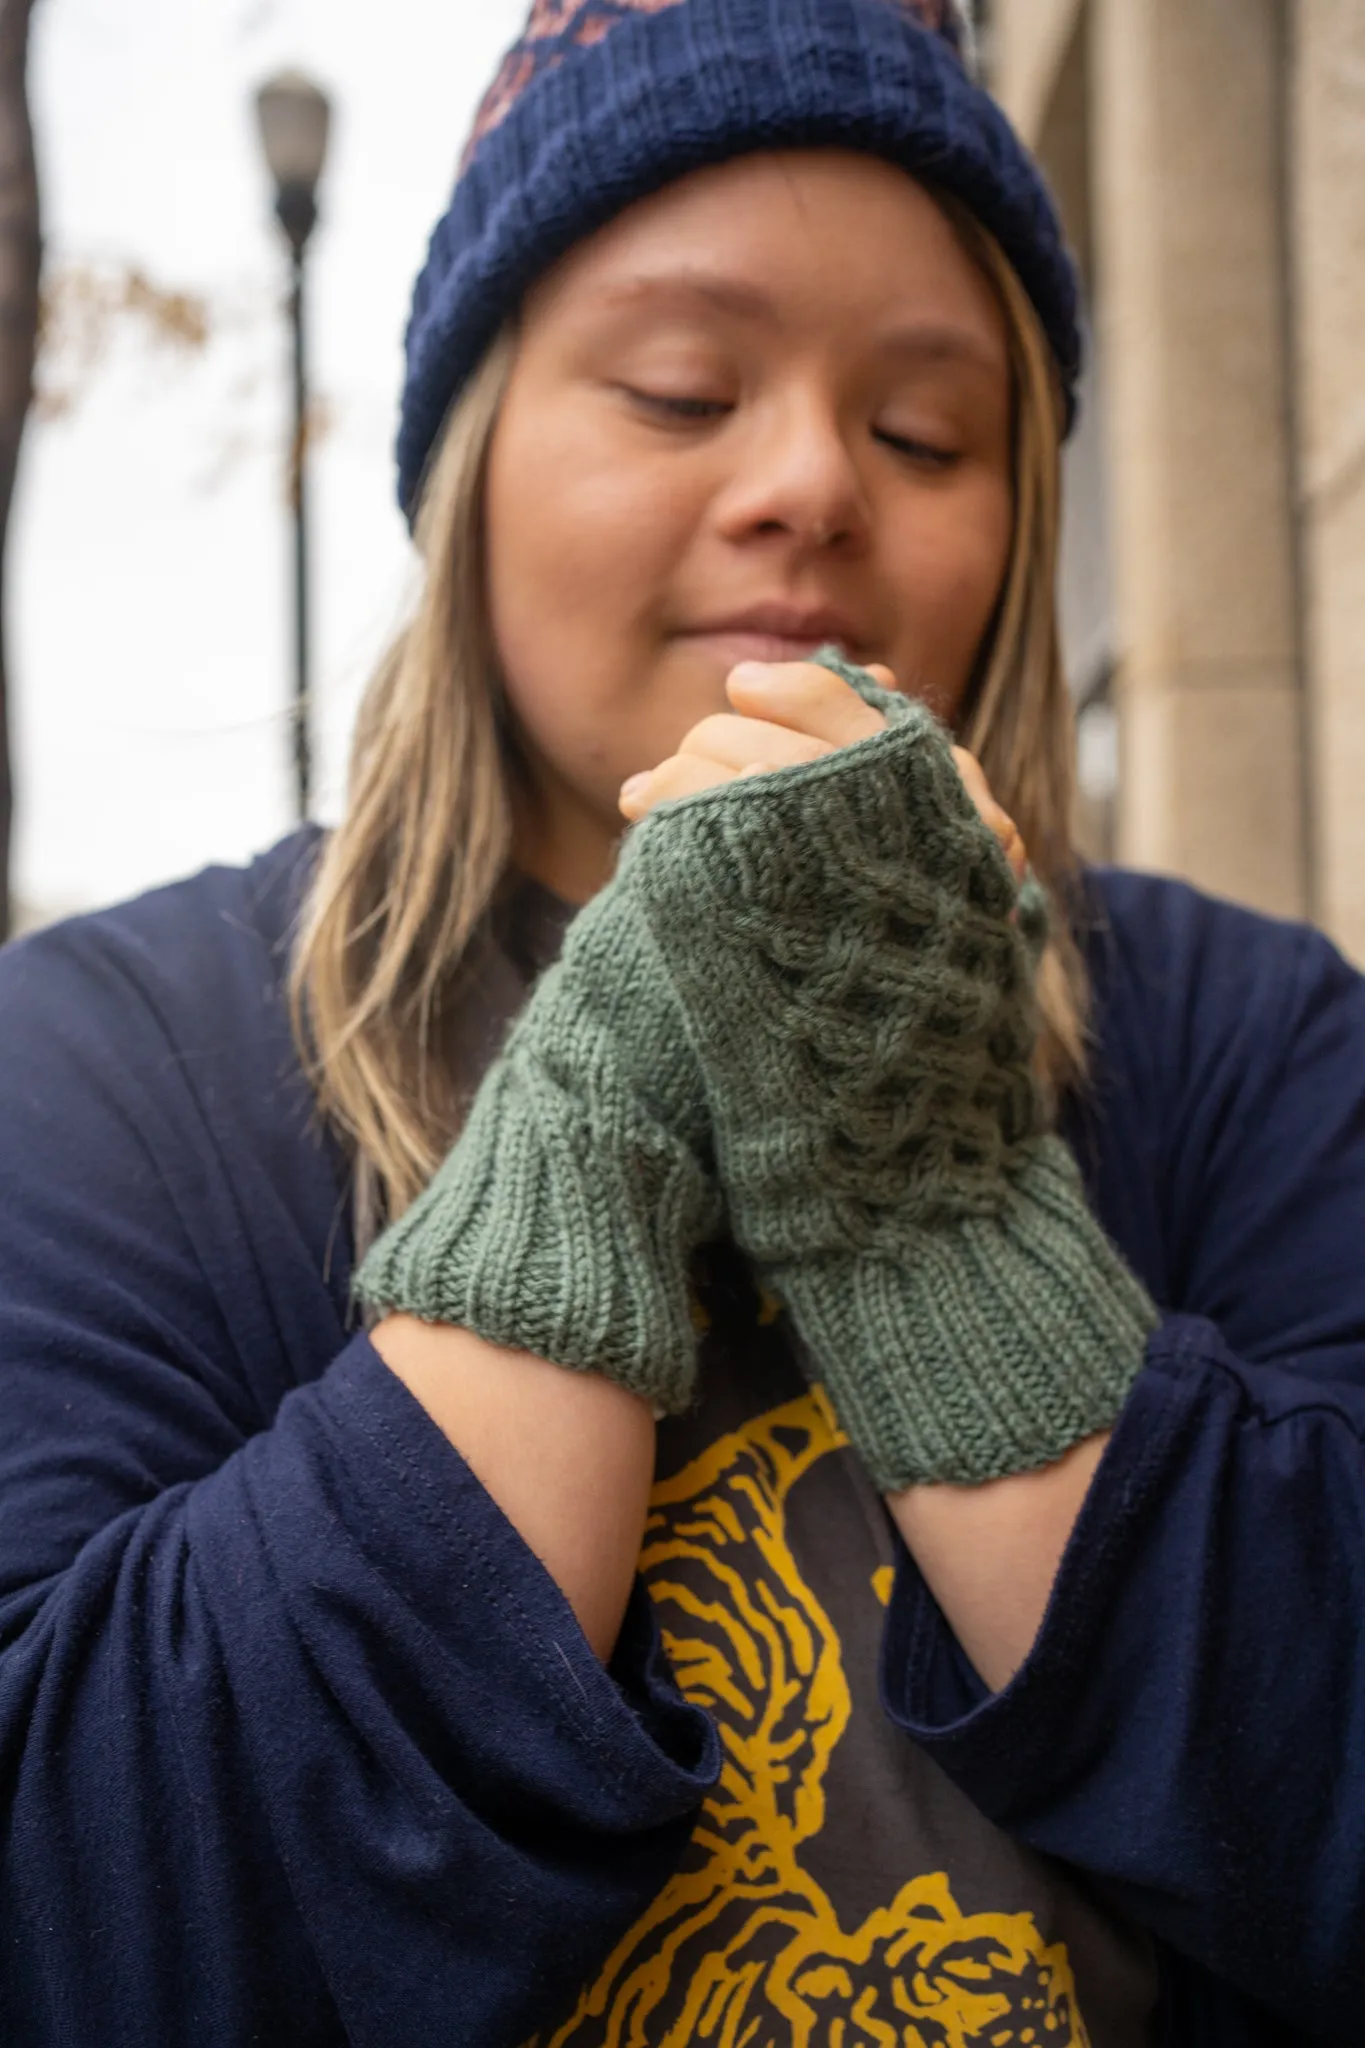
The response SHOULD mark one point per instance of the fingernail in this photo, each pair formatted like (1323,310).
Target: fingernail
(750,671)
(633,787)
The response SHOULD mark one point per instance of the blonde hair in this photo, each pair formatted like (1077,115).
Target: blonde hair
(405,882)
(1017,717)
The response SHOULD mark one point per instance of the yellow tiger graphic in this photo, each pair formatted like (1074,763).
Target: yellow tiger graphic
(742,1949)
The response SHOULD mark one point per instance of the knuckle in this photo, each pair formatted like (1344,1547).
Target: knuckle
(706,733)
(805,747)
(668,776)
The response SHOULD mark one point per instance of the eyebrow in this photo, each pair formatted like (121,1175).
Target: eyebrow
(917,340)
(730,294)
(937,341)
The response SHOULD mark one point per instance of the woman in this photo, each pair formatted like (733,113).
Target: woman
(331,1704)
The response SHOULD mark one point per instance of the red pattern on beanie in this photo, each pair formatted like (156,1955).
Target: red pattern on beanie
(554,23)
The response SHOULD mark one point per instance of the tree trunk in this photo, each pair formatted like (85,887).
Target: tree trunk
(20,263)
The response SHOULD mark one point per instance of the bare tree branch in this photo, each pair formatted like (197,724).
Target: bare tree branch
(82,307)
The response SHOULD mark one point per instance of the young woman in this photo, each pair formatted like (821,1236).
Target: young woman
(811,1488)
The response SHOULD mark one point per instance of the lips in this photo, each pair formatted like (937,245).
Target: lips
(776,632)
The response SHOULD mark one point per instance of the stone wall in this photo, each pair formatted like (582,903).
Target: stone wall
(1215,174)
(1328,213)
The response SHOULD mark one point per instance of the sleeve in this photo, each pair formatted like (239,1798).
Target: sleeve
(298,1742)
(1190,1725)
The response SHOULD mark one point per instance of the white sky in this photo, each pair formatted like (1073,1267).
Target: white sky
(150,566)
(150,571)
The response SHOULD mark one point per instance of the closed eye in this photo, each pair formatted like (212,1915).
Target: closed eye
(665,406)
(919,451)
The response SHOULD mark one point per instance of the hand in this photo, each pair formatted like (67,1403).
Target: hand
(563,1221)
(786,713)
(845,943)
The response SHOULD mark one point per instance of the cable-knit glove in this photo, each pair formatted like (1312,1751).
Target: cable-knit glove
(564,1218)
(855,964)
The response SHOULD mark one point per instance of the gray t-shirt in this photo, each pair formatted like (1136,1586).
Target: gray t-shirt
(838,1891)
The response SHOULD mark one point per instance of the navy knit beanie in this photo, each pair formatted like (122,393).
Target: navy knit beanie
(604,101)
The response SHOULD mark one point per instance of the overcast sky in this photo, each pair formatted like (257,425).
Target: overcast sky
(150,578)
(150,568)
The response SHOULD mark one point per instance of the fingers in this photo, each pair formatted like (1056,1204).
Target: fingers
(1016,853)
(680,775)
(999,821)
(718,750)
(788,713)
(753,743)
(974,777)
(805,698)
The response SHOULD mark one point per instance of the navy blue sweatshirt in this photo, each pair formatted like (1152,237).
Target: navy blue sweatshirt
(298,1743)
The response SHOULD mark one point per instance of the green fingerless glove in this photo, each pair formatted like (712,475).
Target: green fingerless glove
(564,1218)
(855,964)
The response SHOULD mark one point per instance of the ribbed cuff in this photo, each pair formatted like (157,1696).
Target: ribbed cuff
(991,1347)
(559,1227)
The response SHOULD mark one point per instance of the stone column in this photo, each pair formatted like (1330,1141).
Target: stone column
(1029,42)
(1328,132)
(1186,128)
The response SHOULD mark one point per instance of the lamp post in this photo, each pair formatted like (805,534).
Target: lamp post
(294,119)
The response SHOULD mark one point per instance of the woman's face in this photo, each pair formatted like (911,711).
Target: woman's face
(767,408)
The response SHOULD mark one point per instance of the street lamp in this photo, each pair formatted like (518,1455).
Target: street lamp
(294,119)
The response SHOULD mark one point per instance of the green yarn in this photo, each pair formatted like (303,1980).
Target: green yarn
(855,963)
(839,936)
(984,1349)
(814,987)
(564,1218)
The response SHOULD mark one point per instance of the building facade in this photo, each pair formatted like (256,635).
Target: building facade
(1209,159)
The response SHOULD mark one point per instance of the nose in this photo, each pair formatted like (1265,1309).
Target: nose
(795,476)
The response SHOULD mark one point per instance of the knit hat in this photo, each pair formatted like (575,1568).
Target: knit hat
(602,102)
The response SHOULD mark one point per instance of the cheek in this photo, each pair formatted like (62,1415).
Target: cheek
(953,565)
(580,545)
(585,538)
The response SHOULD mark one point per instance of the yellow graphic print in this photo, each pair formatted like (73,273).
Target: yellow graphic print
(743,1949)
